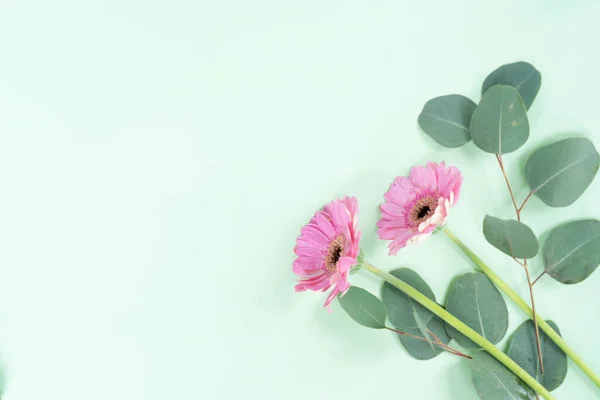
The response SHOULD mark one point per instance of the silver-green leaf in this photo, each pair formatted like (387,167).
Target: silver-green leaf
(494,381)
(363,307)
(475,301)
(403,312)
(499,123)
(523,350)
(420,349)
(520,75)
(511,237)
(446,119)
(560,172)
(572,251)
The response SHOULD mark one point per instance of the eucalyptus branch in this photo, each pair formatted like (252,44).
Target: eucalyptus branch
(524,264)
(471,334)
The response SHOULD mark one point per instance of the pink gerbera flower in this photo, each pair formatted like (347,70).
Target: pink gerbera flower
(327,247)
(416,205)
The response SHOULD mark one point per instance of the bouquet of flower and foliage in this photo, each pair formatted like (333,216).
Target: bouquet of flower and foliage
(474,317)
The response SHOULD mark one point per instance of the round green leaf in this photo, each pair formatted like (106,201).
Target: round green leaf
(494,381)
(499,124)
(510,237)
(363,307)
(560,172)
(403,312)
(520,75)
(475,301)
(420,349)
(572,251)
(523,350)
(446,119)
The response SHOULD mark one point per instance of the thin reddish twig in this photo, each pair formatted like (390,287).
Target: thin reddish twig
(538,278)
(439,342)
(525,202)
(512,196)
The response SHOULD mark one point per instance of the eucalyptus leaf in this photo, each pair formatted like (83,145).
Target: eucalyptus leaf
(520,75)
(511,237)
(446,119)
(523,350)
(494,381)
(420,349)
(499,123)
(404,312)
(475,301)
(363,307)
(572,251)
(560,172)
(423,329)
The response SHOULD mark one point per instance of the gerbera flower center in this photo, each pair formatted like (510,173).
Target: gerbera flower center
(423,209)
(335,250)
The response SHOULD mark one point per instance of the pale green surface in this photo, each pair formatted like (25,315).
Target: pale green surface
(158,159)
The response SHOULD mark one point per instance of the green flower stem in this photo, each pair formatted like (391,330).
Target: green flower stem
(462,328)
(500,284)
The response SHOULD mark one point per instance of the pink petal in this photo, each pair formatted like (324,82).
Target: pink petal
(353,249)
(312,262)
(325,225)
(306,241)
(351,204)
(315,234)
(309,252)
(419,238)
(401,191)
(400,240)
(392,223)
(341,217)
(306,273)
(331,296)
(314,226)
(333,279)
(395,246)
(429,229)
(390,233)
(392,209)
(437,219)
(456,189)
(316,283)
(423,178)
(449,180)
(345,263)
(343,286)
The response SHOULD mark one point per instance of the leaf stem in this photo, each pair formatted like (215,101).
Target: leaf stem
(461,327)
(526,199)
(537,328)
(500,284)
(538,278)
(524,264)
(512,196)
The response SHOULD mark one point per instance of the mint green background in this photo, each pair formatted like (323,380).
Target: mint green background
(158,158)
